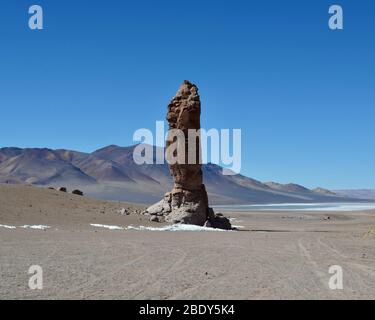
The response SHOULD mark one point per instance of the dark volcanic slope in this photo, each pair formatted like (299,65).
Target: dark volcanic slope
(111,173)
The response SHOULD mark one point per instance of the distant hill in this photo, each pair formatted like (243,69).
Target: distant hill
(290,187)
(359,193)
(110,173)
(324,191)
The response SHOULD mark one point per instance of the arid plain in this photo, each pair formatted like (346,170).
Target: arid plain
(273,255)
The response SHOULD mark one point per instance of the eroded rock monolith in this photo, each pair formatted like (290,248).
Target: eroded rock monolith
(187,202)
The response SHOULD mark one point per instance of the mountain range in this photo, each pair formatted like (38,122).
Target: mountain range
(111,173)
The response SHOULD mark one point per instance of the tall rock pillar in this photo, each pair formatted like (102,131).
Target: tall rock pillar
(188,201)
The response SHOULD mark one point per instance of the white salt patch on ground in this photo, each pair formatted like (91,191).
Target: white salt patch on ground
(175,227)
(36,227)
(106,226)
(7,227)
(238,227)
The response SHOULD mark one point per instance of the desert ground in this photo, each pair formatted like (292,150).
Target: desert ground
(273,255)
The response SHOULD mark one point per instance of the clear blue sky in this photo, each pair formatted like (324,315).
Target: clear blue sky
(303,95)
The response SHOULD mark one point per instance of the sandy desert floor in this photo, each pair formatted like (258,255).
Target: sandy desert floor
(275,255)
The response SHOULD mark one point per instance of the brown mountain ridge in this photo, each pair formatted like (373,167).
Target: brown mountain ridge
(110,173)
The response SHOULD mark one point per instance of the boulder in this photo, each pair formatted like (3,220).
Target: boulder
(124,211)
(77,192)
(219,222)
(154,219)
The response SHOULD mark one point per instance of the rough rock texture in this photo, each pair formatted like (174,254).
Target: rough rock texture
(188,201)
